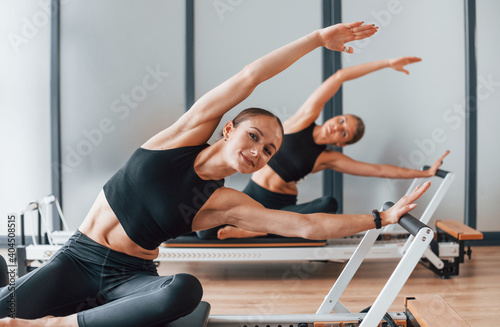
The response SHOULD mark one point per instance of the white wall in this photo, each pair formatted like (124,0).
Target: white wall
(488,71)
(231,34)
(24,105)
(410,119)
(107,48)
(122,81)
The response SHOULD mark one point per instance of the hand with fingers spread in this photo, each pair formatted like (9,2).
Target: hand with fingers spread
(334,37)
(435,166)
(403,206)
(399,63)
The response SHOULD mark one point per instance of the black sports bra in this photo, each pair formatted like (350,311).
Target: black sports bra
(297,155)
(157,193)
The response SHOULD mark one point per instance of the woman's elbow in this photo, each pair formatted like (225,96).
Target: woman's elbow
(339,75)
(308,235)
(311,231)
(250,76)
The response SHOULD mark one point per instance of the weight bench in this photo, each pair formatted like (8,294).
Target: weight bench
(426,311)
(443,256)
(4,272)
(419,313)
(197,318)
(193,241)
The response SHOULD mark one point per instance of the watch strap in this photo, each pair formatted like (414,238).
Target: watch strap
(377,219)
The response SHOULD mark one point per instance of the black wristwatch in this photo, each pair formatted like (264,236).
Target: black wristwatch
(377,220)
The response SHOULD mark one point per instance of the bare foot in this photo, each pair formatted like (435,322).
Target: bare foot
(48,321)
(235,232)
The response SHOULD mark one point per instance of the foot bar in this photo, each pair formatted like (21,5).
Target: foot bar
(408,222)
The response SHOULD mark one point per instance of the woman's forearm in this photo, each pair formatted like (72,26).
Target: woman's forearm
(333,37)
(354,72)
(242,211)
(327,226)
(400,172)
(278,60)
(389,171)
(247,214)
(317,100)
(217,102)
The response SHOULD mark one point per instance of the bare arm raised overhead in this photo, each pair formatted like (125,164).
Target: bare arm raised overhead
(340,162)
(312,107)
(198,124)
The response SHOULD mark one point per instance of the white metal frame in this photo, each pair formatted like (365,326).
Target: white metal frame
(331,302)
(338,249)
(335,250)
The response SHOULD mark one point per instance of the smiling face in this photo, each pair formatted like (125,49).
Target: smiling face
(249,146)
(340,130)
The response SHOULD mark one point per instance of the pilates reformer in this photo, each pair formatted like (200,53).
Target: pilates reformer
(4,272)
(414,316)
(443,256)
(422,236)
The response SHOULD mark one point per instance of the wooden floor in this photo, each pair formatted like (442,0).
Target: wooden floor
(300,287)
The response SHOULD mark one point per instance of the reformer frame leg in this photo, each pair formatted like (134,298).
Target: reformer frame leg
(398,277)
(456,232)
(331,301)
(423,236)
(22,264)
(197,318)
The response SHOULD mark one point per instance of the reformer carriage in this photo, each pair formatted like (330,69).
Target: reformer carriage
(443,256)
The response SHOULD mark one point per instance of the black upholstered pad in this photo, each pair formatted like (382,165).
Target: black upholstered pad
(4,275)
(186,241)
(197,318)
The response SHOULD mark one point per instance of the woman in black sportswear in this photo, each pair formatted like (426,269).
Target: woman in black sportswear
(304,151)
(104,275)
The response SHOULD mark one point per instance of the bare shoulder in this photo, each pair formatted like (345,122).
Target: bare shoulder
(328,155)
(226,198)
(175,136)
(296,123)
(163,140)
(326,159)
(222,206)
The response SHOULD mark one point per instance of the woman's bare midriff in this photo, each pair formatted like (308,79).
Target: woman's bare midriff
(268,179)
(102,226)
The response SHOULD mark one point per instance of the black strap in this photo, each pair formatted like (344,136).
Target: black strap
(377,220)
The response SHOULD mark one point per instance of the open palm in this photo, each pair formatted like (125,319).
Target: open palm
(399,63)
(334,37)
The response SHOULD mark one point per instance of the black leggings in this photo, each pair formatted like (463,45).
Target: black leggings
(106,288)
(279,201)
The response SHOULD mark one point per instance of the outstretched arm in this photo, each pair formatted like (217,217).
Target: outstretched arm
(340,162)
(237,209)
(312,107)
(198,124)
